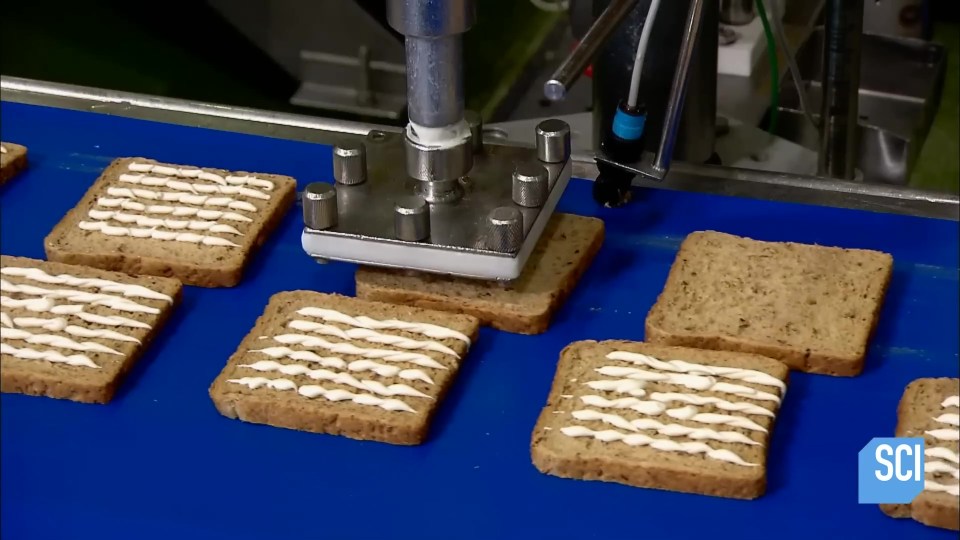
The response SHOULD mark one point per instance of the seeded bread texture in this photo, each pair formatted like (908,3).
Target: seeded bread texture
(586,458)
(12,161)
(288,409)
(525,306)
(919,407)
(811,307)
(191,263)
(77,383)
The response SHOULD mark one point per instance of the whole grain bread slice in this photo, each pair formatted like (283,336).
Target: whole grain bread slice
(50,315)
(525,306)
(929,409)
(354,368)
(13,159)
(130,201)
(812,307)
(626,412)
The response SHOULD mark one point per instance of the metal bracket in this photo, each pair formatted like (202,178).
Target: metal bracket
(354,84)
(474,236)
(646,167)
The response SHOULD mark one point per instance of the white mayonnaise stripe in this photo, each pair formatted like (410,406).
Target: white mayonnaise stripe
(679,366)
(429,330)
(949,419)
(620,386)
(944,434)
(670,430)
(635,387)
(941,452)
(694,382)
(308,356)
(664,445)
(155,234)
(183,198)
(59,342)
(389,371)
(938,467)
(98,299)
(930,485)
(338,377)
(357,365)
(652,408)
(46,305)
(348,348)
(202,175)
(724,405)
(192,187)
(690,413)
(371,336)
(313,391)
(25,353)
(104,285)
(175,211)
(59,324)
(176,224)
(952,401)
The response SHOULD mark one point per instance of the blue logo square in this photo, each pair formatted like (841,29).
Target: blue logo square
(890,470)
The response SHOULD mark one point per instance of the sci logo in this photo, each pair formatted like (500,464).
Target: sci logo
(890,470)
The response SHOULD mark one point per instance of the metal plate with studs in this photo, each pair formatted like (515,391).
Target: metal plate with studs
(466,237)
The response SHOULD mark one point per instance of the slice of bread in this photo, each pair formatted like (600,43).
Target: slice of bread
(930,408)
(13,158)
(73,332)
(660,417)
(812,307)
(201,226)
(524,306)
(332,364)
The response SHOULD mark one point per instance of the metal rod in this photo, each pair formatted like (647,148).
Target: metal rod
(173,110)
(678,90)
(435,80)
(434,56)
(684,176)
(839,124)
(555,89)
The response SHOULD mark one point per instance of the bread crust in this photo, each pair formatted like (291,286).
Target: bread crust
(523,307)
(585,461)
(63,382)
(12,162)
(286,409)
(933,509)
(63,245)
(814,358)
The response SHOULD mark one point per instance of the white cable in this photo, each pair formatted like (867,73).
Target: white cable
(641,52)
(776,20)
(551,7)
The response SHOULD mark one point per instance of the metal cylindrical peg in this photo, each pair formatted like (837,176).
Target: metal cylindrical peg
(320,206)
(411,218)
(504,229)
(553,141)
(530,185)
(350,163)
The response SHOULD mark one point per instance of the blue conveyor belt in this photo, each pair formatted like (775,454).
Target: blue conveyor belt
(159,462)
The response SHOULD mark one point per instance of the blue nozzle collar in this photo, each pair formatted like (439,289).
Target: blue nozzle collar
(628,126)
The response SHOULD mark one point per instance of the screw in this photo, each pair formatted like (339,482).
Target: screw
(320,206)
(530,185)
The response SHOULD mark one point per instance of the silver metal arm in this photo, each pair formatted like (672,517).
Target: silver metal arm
(555,89)
(678,92)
